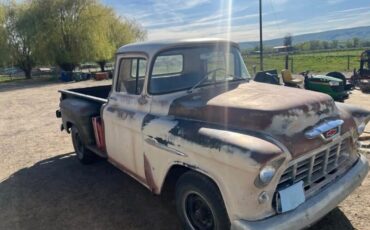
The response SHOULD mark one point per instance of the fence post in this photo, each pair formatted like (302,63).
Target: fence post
(292,64)
(348,60)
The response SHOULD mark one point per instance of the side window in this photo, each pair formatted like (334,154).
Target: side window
(135,70)
(131,75)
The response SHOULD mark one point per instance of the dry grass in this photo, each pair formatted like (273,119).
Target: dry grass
(42,186)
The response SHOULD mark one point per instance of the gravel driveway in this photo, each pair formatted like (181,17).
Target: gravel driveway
(43,186)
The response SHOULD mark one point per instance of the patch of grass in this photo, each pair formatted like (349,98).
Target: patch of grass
(45,78)
(6,78)
(323,62)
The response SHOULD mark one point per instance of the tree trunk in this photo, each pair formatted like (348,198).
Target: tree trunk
(28,73)
(102,65)
(68,67)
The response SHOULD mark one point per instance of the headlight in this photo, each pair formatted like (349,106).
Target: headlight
(361,128)
(266,174)
(333,83)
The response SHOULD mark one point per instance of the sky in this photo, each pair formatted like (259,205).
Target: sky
(238,20)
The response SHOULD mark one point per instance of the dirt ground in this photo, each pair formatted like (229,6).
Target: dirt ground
(43,186)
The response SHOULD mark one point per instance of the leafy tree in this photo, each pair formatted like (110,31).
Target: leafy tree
(365,43)
(4,54)
(20,39)
(315,45)
(113,32)
(77,31)
(349,44)
(325,45)
(356,42)
(334,44)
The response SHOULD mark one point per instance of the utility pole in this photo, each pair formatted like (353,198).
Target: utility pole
(261,38)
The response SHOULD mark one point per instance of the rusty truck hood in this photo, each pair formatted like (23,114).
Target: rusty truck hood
(282,112)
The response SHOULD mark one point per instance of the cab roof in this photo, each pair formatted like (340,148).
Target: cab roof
(151,48)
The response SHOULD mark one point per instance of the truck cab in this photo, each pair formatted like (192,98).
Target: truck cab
(239,154)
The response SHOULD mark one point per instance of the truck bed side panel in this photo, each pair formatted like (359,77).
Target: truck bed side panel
(79,113)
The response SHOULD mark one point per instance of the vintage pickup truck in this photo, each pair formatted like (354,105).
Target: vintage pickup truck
(239,154)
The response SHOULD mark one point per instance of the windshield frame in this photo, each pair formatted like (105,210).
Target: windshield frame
(241,64)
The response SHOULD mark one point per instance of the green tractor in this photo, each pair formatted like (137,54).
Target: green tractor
(333,84)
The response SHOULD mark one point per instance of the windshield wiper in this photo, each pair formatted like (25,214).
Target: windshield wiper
(203,79)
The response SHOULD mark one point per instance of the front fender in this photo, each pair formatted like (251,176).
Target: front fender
(232,159)
(360,116)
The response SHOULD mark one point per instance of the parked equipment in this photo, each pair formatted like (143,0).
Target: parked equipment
(269,76)
(338,75)
(289,80)
(333,86)
(361,77)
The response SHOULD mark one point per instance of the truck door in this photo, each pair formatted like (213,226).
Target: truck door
(124,114)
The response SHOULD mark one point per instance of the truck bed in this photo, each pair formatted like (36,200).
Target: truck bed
(96,93)
(79,107)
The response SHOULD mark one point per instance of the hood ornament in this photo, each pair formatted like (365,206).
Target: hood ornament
(327,130)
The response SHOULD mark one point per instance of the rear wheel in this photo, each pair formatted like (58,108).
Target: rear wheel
(84,155)
(199,203)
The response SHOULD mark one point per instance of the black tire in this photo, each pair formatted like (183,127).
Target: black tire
(84,155)
(199,203)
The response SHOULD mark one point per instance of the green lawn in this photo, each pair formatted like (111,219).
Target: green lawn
(322,62)
(44,78)
(6,78)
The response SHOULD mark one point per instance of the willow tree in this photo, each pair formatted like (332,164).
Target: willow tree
(18,36)
(110,32)
(77,31)
(4,54)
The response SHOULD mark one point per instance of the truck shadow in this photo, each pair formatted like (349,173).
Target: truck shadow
(59,193)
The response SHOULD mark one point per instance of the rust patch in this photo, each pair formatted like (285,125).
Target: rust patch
(147,119)
(190,130)
(121,113)
(283,113)
(163,141)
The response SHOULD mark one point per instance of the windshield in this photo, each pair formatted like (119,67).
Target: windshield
(187,68)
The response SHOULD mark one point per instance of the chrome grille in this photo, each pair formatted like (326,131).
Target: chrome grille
(319,167)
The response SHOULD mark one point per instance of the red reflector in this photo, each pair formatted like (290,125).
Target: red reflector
(99,133)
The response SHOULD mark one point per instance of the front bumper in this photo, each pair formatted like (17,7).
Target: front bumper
(315,207)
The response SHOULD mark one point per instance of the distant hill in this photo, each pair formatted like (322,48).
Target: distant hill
(342,34)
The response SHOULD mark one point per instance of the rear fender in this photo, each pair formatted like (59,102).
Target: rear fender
(79,113)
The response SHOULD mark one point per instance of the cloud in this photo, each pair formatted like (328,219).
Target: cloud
(279,2)
(192,3)
(333,2)
(352,10)
(177,19)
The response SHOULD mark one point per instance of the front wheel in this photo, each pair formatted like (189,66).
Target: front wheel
(84,155)
(199,203)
